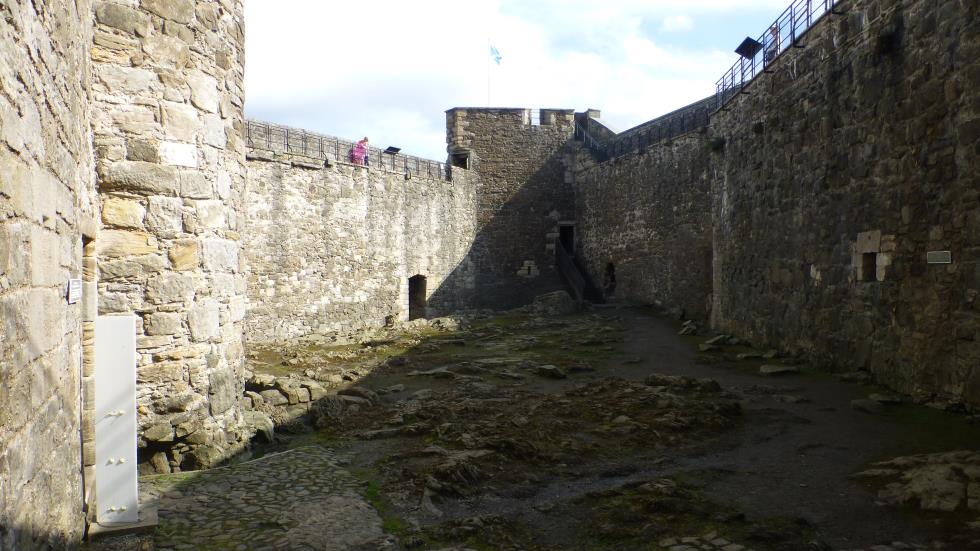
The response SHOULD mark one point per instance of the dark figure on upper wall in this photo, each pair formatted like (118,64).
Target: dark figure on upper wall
(772,45)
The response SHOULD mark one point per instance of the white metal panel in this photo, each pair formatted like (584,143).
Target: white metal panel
(115,420)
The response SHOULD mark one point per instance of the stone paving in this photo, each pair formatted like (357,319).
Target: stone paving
(296,500)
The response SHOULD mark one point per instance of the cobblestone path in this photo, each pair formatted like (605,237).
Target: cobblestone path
(300,499)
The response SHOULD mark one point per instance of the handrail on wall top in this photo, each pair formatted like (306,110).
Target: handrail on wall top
(273,137)
(784,33)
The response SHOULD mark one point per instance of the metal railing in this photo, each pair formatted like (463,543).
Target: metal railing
(282,139)
(784,33)
(598,148)
(660,129)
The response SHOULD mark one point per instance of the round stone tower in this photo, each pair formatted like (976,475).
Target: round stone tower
(168,96)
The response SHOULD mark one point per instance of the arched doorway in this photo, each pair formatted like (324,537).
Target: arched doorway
(416,297)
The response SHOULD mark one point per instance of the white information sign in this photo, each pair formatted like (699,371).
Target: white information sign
(74,290)
(115,420)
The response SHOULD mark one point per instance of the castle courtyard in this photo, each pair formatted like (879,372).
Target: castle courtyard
(749,323)
(602,429)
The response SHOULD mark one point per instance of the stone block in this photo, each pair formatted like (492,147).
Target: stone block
(194,185)
(125,213)
(121,243)
(220,255)
(125,80)
(162,323)
(210,214)
(188,427)
(274,397)
(160,372)
(222,185)
(265,428)
(166,50)
(868,242)
(180,121)
(123,18)
(161,432)
(204,457)
(170,287)
(165,216)
(153,341)
(184,255)
(204,91)
(180,11)
(138,177)
(222,391)
(214,131)
(130,268)
(203,320)
(45,258)
(178,154)
(139,149)
(13,262)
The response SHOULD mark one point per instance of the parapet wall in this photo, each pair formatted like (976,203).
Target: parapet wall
(46,207)
(841,170)
(330,249)
(524,193)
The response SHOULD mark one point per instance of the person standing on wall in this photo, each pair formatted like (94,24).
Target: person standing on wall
(359,155)
(772,48)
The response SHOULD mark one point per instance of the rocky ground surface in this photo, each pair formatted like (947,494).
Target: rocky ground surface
(600,430)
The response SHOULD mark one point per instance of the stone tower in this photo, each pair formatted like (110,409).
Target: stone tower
(167,84)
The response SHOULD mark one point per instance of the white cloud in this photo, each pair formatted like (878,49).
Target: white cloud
(389,69)
(676,23)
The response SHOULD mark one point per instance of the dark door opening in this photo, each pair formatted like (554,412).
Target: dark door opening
(609,280)
(566,236)
(416,297)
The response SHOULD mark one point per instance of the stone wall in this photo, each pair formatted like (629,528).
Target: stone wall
(523,193)
(330,250)
(840,171)
(168,123)
(46,205)
(644,225)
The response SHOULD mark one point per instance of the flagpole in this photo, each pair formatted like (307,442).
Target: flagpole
(488,71)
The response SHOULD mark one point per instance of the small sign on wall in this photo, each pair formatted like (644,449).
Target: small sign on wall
(74,290)
(939,257)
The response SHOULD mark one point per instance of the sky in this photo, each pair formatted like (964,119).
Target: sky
(389,70)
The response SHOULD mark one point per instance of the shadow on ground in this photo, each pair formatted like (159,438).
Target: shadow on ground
(596,430)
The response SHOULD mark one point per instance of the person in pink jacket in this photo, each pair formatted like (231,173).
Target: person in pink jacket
(358,155)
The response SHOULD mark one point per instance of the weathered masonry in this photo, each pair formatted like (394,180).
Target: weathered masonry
(831,211)
(334,249)
(47,216)
(523,196)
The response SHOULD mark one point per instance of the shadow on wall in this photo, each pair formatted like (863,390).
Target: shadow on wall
(513,252)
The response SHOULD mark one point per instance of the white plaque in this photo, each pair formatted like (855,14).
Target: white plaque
(939,257)
(74,290)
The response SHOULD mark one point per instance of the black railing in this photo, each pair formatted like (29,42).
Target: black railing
(282,139)
(784,33)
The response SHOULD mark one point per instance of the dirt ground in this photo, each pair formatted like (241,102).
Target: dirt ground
(607,430)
